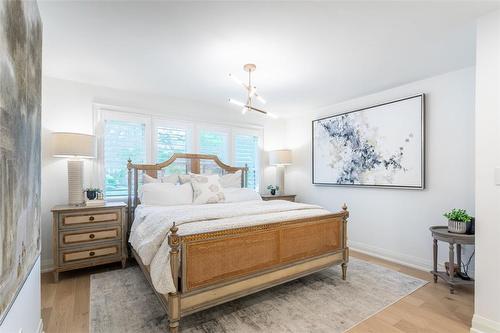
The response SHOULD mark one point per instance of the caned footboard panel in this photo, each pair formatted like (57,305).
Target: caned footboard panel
(306,241)
(210,260)
(218,260)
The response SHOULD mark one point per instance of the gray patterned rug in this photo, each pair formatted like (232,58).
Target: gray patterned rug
(122,301)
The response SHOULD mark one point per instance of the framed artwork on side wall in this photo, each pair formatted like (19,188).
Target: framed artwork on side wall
(20,128)
(377,146)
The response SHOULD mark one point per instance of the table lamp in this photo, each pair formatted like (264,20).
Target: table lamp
(280,158)
(75,147)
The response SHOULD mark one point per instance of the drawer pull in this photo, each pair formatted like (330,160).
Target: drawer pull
(91,236)
(91,253)
(91,218)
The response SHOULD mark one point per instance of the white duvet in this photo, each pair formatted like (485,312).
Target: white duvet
(151,226)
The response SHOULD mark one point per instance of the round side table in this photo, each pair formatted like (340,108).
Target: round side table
(441,233)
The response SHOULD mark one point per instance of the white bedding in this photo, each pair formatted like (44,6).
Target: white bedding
(151,225)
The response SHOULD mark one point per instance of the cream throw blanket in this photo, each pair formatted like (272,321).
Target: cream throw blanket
(152,224)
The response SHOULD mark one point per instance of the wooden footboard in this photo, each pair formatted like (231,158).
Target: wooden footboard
(212,268)
(217,258)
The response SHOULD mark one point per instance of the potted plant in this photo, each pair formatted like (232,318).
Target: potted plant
(459,221)
(92,193)
(273,189)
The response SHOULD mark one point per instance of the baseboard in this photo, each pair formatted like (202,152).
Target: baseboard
(47,265)
(484,325)
(398,258)
(40,326)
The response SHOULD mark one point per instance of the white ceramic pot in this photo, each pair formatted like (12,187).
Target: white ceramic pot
(457,227)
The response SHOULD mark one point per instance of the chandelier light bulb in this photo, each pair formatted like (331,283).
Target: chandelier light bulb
(233,101)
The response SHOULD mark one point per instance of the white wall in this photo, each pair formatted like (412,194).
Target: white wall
(487,292)
(67,106)
(25,313)
(394,223)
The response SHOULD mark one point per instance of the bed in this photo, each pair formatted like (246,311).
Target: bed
(199,256)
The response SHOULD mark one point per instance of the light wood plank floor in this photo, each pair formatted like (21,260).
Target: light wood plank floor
(431,309)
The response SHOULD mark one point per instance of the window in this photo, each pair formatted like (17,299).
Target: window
(213,143)
(246,151)
(170,140)
(144,138)
(123,140)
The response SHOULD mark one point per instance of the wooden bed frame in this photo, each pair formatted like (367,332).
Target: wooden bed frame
(215,267)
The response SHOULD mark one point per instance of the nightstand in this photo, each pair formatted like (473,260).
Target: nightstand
(268,197)
(88,236)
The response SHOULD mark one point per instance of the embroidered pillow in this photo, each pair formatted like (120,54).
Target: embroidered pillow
(206,189)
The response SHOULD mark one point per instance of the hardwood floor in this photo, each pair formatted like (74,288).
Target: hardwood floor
(430,309)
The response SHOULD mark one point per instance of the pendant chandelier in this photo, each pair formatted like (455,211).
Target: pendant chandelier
(251,91)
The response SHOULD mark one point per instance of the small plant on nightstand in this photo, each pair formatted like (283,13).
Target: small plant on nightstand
(458,221)
(273,189)
(92,193)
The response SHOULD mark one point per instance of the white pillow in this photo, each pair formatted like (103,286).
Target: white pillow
(146,179)
(206,189)
(240,194)
(172,179)
(231,179)
(183,179)
(166,194)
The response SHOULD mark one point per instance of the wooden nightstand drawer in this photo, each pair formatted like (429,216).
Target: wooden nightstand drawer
(89,218)
(91,253)
(86,236)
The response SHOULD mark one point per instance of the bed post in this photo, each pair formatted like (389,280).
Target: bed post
(246,176)
(174,308)
(344,242)
(129,201)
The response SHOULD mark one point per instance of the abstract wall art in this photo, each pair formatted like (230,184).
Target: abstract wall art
(377,146)
(20,121)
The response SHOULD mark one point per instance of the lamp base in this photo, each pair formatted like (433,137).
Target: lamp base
(280,178)
(75,182)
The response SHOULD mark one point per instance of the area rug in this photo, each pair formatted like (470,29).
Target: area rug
(122,301)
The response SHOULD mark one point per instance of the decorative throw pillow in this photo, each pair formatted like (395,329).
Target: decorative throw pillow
(231,179)
(206,189)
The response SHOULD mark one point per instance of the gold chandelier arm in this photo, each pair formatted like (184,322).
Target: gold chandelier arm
(255,109)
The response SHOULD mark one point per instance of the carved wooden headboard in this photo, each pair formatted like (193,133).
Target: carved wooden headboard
(194,166)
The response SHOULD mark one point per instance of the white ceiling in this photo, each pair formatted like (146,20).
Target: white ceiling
(308,54)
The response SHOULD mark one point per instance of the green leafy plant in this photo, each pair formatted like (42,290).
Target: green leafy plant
(273,187)
(459,215)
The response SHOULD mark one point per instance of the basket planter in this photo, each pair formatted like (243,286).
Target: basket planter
(457,227)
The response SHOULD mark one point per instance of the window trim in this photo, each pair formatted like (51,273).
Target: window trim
(152,120)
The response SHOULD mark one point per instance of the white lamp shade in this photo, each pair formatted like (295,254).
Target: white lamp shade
(280,157)
(74,145)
